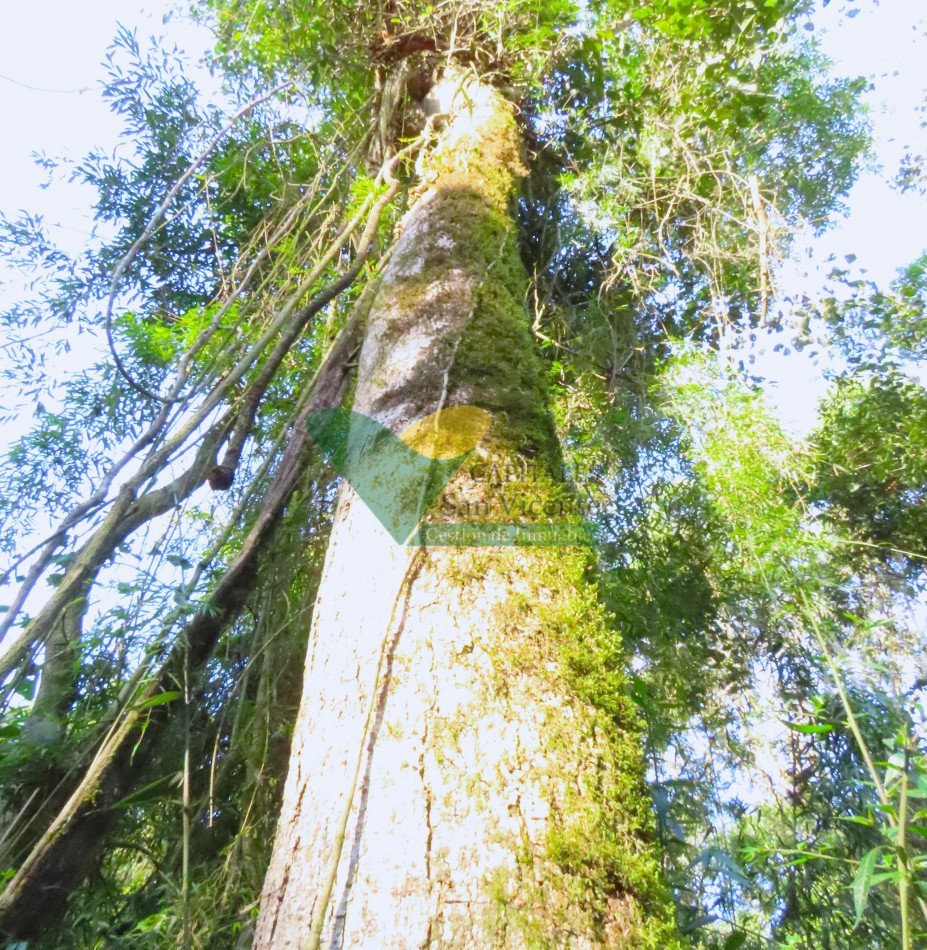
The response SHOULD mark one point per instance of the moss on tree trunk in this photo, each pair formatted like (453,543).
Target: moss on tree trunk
(466,766)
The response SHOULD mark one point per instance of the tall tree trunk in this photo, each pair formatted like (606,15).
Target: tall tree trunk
(465,768)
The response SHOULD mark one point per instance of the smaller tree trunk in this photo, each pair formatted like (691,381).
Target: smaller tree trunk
(58,682)
(37,895)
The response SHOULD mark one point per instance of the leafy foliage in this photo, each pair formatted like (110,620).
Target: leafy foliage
(872,468)
(672,149)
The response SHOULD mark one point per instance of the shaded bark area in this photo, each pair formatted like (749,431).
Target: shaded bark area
(57,684)
(465,768)
(36,897)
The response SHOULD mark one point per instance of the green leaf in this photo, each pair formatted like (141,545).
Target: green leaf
(26,689)
(722,862)
(701,921)
(884,876)
(863,881)
(810,728)
(160,699)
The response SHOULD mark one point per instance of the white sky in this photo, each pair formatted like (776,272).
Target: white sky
(51,65)
(51,55)
(888,43)
(56,47)
(886,230)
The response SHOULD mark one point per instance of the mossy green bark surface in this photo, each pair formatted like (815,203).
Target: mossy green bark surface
(598,871)
(467,763)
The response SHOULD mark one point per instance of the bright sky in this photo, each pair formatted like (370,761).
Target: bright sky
(886,43)
(51,56)
(51,64)
(51,51)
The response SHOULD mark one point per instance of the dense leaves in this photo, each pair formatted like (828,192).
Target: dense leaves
(672,148)
(872,469)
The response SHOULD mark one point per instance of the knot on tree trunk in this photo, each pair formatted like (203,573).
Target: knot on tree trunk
(221,477)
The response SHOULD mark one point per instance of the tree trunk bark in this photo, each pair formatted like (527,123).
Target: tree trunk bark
(465,769)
